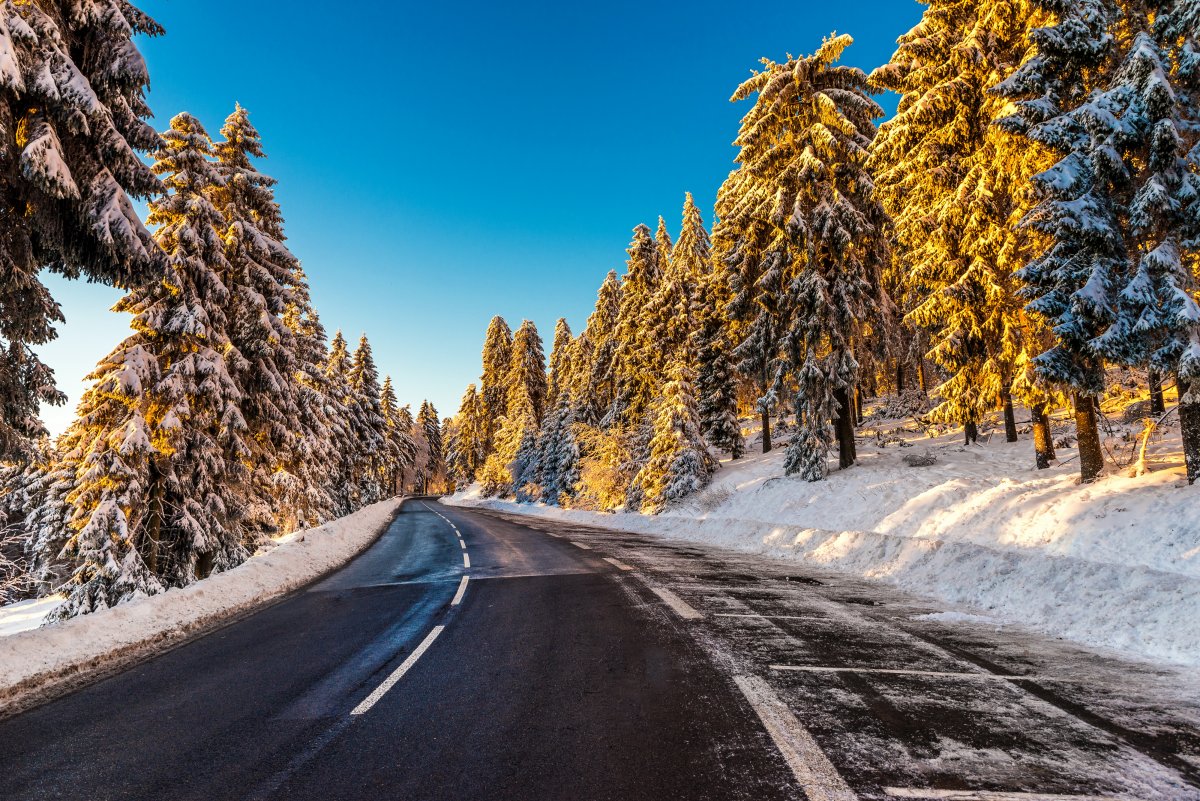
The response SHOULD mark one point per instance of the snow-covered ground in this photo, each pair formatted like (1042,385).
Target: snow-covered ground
(40,661)
(1113,564)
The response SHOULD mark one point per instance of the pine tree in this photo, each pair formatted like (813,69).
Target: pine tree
(158,446)
(263,273)
(561,354)
(400,449)
(305,495)
(634,357)
(72,112)
(1071,283)
(342,409)
(558,455)
(493,386)
(369,427)
(527,369)
(679,463)
(431,426)
(955,185)
(804,146)
(464,453)
(597,389)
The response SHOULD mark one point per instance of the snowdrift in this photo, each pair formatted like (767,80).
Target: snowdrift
(43,663)
(1113,564)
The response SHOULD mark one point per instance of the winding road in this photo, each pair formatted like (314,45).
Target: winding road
(477,655)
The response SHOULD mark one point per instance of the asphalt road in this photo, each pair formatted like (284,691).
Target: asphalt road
(575,663)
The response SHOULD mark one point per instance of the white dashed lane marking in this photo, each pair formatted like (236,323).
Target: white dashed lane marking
(466,560)
(816,774)
(398,673)
(581,545)
(617,564)
(462,588)
(676,603)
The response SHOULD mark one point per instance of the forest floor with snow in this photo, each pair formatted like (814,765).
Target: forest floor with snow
(38,663)
(1113,564)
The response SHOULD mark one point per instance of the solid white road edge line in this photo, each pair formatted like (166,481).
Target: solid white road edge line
(581,545)
(466,560)
(933,673)
(462,588)
(398,673)
(773,617)
(816,774)
(675,602)
(617,564)
(990,795)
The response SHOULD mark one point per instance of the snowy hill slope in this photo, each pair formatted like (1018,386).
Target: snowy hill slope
(1113,564)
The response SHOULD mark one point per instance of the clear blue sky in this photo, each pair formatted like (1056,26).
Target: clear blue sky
(440,163)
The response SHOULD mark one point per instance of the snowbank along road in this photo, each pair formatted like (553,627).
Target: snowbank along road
(471,654)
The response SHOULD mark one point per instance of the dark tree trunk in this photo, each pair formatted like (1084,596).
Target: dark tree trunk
(1189,424)
(858,404)
(1043,438)
(1091,456)
(844,425)
(899,376)
(1158,404)
(971,431)
(766,431)
(1010,419)
(154,519)
(922,379)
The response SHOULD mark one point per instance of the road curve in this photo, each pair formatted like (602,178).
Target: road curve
(552,678)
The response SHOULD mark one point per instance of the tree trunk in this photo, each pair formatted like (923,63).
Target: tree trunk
(766,431)
(1158,404)
(921,377)
(844,425)
(858,403)
(899,376)
(1010,418)
(971,431)
(1189,424)
(154,519)
(1091,456)
(1043,438)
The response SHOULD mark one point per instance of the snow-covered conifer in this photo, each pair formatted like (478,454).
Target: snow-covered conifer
(679,462)
(561,354)
(72,111)
(527,369)
(635,379)
(558,455)
(954,184)
(369,426)
(596,392)
(493,384)
(431,426)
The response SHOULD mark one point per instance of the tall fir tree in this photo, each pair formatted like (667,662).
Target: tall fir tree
(558,455)
(597,390)
(72,116)
(399,448)
(370,429)
(527,369)
(431,426)
(955,185)
(561,356)
(634,378)
(341,406)
(464,452)
(679,462)
(804,145)
(1071,282)
(260,283)
(493,384)
(159,442)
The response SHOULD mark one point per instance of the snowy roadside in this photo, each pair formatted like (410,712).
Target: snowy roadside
(1114,564)
(42,663)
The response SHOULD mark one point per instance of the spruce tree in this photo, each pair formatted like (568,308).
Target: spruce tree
(369,427)
(558,455)
(635,354)
(954,185)
(527,369)
(804,146)
(431,426)
(597,391)
(72,114)
(560,362)
(464,453)
(342,408)
(493,384)
(263,274)
(400,449)
(1071,283)
(679,462)
(158,448)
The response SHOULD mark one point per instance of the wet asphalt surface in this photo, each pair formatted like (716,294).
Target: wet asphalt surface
(563,675)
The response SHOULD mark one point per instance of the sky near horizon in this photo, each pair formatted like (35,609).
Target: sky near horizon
(440,163)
